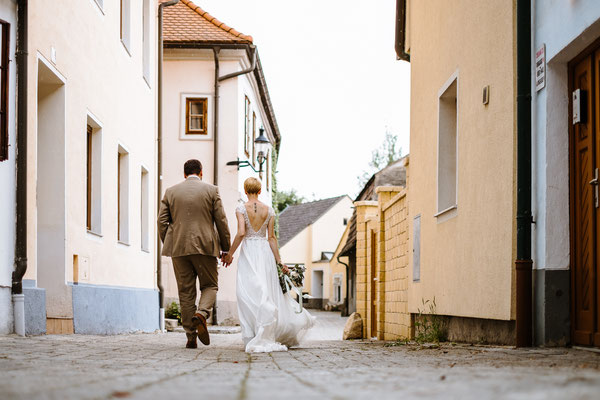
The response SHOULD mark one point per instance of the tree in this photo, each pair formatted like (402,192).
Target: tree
(286,198)
(387,153)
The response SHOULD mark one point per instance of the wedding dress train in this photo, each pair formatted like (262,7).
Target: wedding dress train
(269,318)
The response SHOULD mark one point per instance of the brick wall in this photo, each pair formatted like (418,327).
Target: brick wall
(385,221)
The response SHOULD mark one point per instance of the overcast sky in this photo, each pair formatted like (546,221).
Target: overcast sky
(334,81)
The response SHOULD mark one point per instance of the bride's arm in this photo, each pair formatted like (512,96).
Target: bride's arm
(273,242)
(239,236)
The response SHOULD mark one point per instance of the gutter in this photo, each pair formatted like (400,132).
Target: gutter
(524,263)
(400,42)
(161,294)
(21,212)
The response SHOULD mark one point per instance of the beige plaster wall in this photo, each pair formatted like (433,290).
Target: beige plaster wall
(467,256)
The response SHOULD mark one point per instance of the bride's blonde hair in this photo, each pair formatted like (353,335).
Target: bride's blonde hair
(252,185)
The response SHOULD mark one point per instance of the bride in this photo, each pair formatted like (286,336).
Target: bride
(269,317)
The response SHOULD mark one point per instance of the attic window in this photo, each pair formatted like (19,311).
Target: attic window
(345,221)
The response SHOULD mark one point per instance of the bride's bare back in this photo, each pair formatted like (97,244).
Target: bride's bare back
(257,214)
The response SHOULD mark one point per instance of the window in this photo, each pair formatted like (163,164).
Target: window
(337,288)
(126,23)
(247,126)
(93,176)
(146,39)
(196,110)
(345,221)
(253,138)
(144,211)
(123,196)
(4,62)
(447,148)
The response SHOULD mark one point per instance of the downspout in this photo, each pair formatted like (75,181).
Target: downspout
(400,42)
(523,263)
(345,311)
(218,79)
(21,217)
(161,294)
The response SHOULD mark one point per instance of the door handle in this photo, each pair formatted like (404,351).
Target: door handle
(594,182)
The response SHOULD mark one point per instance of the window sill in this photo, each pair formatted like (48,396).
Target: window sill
(147,81)
(96,234)
(145,251)
(197,137)
(447,214)
(123,243)
(99,7)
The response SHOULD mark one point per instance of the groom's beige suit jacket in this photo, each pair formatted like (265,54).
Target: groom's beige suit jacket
(191,220)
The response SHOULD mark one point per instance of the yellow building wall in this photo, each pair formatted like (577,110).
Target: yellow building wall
(466,258)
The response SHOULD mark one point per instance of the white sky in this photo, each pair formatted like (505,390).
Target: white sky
(334,82)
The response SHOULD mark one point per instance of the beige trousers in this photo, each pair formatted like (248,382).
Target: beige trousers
(187,270)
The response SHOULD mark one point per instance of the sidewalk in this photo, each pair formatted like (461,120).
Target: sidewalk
(156,366)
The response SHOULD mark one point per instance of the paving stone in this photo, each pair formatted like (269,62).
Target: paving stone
(154,366)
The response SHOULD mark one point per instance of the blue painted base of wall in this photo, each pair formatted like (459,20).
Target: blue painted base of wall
(35,308)
(107,310)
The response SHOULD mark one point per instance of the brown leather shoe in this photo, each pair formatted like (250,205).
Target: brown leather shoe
(191,344)
(200,323)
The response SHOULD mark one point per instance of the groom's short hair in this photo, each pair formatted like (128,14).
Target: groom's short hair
(192,167)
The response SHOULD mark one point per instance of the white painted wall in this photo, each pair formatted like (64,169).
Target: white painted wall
(191,72)
(328,229)
(566,28)
(7,182)
(104,79)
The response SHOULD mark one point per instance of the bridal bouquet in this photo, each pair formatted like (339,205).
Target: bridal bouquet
(293,278)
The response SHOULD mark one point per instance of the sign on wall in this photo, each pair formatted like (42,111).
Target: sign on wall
(540,68)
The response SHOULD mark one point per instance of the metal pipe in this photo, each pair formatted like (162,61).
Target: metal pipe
(400,42)
(244,71)
(161,295)
(21,212)
(523,263)
(345,311)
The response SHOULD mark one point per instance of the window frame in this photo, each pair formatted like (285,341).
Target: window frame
(4,88)
(189,115)
(183,116)
(253,139)
(247,107)
(450,210)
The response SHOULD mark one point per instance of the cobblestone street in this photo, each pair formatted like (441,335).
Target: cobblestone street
(147,366)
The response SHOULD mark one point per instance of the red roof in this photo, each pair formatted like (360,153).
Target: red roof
(185,22)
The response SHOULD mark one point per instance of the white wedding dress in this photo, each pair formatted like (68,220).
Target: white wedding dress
(269,318)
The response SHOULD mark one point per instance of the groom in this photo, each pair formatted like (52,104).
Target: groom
(189,213)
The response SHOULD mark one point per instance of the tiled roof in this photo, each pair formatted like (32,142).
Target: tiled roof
(295,218)
(185,22)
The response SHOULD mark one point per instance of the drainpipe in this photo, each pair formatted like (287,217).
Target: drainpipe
(523,262)
(21,217)
(216,50)
(400,42)
(345,311)
(161,294)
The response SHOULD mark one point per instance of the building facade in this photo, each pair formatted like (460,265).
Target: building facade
(461,191)
(215,117)
(565,88)
(309,235)
(8,21)
(91,167)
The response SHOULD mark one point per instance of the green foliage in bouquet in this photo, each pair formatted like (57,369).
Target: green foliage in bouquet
(296,276)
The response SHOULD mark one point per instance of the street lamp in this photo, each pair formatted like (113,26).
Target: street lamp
(262,146)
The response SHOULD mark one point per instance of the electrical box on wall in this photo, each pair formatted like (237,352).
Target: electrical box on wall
(579,106)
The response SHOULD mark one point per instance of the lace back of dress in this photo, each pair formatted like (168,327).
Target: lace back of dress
(250,232)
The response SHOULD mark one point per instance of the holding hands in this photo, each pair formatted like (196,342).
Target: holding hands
(226,259)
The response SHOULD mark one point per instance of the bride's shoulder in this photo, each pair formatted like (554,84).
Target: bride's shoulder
(240,208)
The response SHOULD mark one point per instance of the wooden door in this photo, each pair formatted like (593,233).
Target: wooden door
(584,201)
(373,284)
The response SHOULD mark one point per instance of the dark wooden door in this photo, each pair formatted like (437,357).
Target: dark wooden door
(373,284)
(584,202)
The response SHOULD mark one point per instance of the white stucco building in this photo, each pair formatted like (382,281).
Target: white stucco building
(8,24)
(309,235)
(91,167)
(213,116)
(565,90)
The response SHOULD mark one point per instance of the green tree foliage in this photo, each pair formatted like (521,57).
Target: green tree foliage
(283,199)
(387,153)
